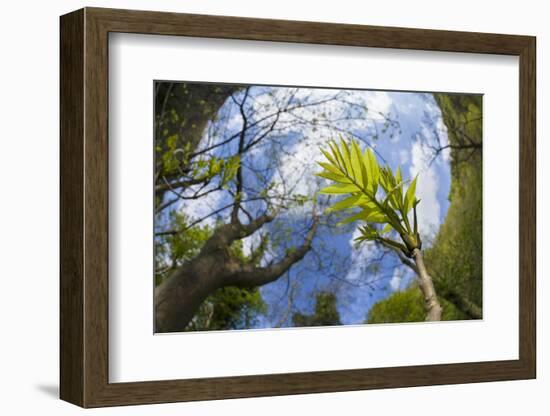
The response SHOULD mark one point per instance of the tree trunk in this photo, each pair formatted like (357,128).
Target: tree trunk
(425,282)
(461,302)
(178,298)
(195,105)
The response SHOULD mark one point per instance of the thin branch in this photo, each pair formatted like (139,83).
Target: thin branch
(250,276)
(239,176)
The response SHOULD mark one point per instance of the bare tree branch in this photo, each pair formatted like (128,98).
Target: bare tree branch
(250,276)
(239,176)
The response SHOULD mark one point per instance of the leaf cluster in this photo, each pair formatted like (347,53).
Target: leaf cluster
(379,194)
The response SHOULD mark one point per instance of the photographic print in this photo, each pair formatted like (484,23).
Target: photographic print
(290,206)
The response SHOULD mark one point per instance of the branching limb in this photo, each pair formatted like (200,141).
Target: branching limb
(425,282)
(461,302)
(250,276)
(404,259)
(239,176)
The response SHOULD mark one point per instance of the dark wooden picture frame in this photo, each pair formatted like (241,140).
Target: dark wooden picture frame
(84,207)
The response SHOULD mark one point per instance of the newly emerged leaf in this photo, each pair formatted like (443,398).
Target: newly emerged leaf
(398,176)
(333,177)
(336,154)
(349,202)
(410,196)
(359,216)
(330,158)
(341,188)
(387,228)
(347,158)
(377,217)
(357,165)
(359,175)
(331,168)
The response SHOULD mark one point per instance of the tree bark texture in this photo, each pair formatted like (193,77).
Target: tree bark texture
(178,298)
(196,105)
(425,282)
(461,302)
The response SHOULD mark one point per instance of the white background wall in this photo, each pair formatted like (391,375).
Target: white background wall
(29,207)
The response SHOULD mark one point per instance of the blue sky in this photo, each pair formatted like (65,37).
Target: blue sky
(398,125)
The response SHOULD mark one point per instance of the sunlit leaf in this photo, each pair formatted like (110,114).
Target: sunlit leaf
(357,164)
(387,228)
(336,154)
(339,189)
(349,202)
(359,174)
(375,168)
(333,177)
(347,157)
(330,167)
(353,218)
(329,157)
(410,196)
(377,217)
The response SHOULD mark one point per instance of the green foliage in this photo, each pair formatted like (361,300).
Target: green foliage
(226,308)
(325,313)
(229,169)
(186,245)
(408,306)
(455,259)
(174,250)
(463,118)
(229,308)
(182,113)
(375,190)
(456,255)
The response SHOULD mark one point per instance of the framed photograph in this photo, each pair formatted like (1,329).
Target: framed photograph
(257,207)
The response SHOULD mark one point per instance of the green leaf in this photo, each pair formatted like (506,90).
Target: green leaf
(367,203)
(333,177)
(392,197)
(337,155)
(398,176)
(356,217)
(399,192)
(331,168)
(410,196)
(329,157)
(357,164)
(368,215)
(367,233)
(377,217)
(346,203)
(347,158)
(341,188)
(387,228)
(374,169)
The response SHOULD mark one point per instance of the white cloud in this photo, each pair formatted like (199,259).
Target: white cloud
(403,156)
(197,210)
(397,279)
(426,190)
(298,166)
(435,126)
(378,102)
(359,256)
